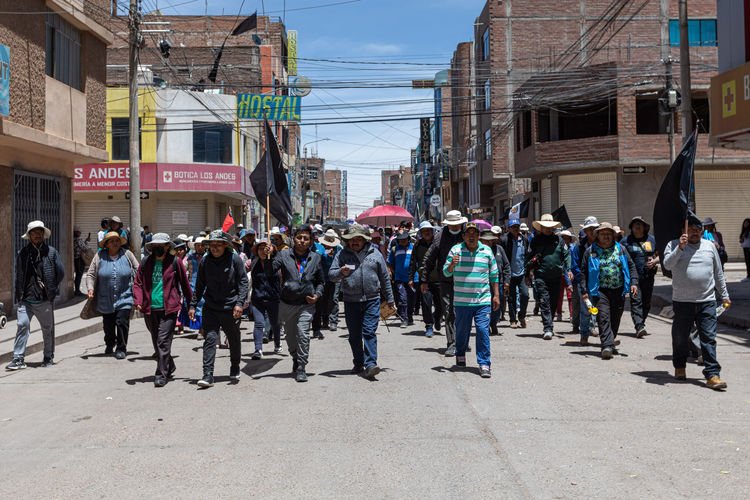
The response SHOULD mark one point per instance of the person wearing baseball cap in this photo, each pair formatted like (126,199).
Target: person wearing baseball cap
(516,246)
(116,225)
(642,248)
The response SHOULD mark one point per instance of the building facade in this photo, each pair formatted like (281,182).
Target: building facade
(52,112)
(312,188)
(335,195)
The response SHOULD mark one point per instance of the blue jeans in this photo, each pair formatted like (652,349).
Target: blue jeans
(585,319)
(481,317)
(45,313)
(362,322)
(702,314)
(265,310)
(405,301)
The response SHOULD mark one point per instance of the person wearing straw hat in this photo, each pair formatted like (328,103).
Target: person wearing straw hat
(160,284)
(474,270)
(491,238)
(548,260)
(429,284)
(39,272)
(222,281)
(328,246)
(266,291)
(116,225)
(642,248)
(110,283)
(697,281)
(608,275)
(278,239)
(450,236)
(363,274)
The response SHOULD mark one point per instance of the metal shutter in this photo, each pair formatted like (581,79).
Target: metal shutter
(546,197)
(164,222)
(589,194)
(724,195)
(89,214)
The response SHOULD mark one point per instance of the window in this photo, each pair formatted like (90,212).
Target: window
(212,143)
(701,113)
(543,123)
(486,45)
(526,129)
(63,51)
(701,33)
(488,144)
(487,95)
(649,118)
(121,139)
(312,173)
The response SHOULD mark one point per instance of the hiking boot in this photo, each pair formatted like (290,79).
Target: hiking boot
(680,374)
(16,364)
(461,361)
(522,322)
(584,341)
(485,372)
(372,371)
(160,382)
(548,335)
(428,331)
(451,351)
(300,375)
(257,355)
(47,362)
(640,332)
(607,353)
(206,382)
(716,383)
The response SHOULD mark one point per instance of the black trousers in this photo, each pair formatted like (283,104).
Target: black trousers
(212,322)
(449,315)
(116,329)
(640,305)
(547,293)
(746,252)
(611,304)
(324,306)
(161,327)
(432,306)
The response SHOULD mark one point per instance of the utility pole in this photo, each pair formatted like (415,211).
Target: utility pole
(134,130)
(687,103)
(670,102)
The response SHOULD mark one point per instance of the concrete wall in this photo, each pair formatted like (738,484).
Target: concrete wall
(65,111)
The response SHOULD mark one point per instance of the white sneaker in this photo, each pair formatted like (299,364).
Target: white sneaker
(547,336)
(278,350)
(257,355)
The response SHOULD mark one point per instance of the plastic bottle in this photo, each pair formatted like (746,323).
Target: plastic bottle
(592,310)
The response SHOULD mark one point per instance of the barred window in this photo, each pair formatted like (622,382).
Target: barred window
(63,55)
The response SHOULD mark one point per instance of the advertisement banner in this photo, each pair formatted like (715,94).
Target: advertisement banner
(292,52)
(425,141)
(4,80)
(111,177)
(271,107)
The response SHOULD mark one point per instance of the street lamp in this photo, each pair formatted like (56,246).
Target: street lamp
(304,147)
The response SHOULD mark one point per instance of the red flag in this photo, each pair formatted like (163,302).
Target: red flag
(228,222)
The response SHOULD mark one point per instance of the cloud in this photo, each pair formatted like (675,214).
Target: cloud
(381,49)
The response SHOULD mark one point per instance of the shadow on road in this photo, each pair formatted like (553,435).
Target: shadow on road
(664,378)
(435,350)
(258,366)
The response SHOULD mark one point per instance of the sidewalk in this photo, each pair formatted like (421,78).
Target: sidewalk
(739,292)
(68,327)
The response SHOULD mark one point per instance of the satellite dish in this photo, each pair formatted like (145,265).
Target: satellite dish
(301,86)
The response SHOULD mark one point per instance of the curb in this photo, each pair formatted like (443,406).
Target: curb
(59,339)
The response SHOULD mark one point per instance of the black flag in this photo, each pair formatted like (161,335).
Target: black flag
(248,24)
(561,216)
(269,180)
(215,68)
(672,203)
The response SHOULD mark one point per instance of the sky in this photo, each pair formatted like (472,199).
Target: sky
(422,33)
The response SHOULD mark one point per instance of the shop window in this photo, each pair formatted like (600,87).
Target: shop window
(649,117)
(121,139)
(212,143)
(63,51)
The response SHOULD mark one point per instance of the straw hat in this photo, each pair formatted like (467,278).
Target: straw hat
(546,221)
(36,224)
(454,218)
(524,227)
(330,239)
(110,236)
(605,226)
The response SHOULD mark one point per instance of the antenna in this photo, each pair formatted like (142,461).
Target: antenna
(316,141)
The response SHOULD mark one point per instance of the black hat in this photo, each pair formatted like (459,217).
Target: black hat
(693,220)
(218,236)
(708,221)
(640,219)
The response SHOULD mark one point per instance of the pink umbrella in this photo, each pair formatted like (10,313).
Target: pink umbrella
(384,215)
(482,224)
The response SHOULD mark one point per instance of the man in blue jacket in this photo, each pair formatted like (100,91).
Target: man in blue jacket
(399,259)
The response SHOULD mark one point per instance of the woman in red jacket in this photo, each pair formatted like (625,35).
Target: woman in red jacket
(160,283)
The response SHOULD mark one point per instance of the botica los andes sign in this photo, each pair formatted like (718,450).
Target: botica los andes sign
(730,108)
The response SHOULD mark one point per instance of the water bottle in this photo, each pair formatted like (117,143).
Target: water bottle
(720,310)
(592,310)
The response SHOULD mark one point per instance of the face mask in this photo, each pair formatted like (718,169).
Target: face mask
(454,232)
(158,252)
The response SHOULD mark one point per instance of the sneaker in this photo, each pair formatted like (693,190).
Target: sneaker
(321,336)
(437,326)
(372,371)
(547,335)
(641,332)
(109,350)
(680,374)
(278,350)
(451,351)
(257,355)
(607,353)
(16,364)
(716,383)
(47,362)
(594,332)
(234,374)
(403,324)
(485,372)
(461,361)
(120,355)
(428,332)
(266,340)
(160,382)
(522,322)
(301,376)
(206,381)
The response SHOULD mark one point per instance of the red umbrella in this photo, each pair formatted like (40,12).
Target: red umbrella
(384,215)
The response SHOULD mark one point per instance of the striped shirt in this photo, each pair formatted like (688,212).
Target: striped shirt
(473,275)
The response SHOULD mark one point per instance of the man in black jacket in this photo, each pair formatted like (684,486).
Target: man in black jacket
(222,282)
(39,272)
(516,246)
(490,238)
(301,287)
(452,234)
(429,283)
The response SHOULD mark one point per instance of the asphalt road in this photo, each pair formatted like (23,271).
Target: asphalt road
(555,421)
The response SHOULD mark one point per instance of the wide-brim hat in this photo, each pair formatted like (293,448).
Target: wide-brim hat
(497,230)
(37,224)
(159,239)
(605,226)
(640,219)
(488,235)
(567,233)
(115,218)
(110,236)
(454,218)
(356,231)
(546,221)
(330,239)
(218,236)
(590,221)
(275,230)
(524,227)
(425,225)
(708,221)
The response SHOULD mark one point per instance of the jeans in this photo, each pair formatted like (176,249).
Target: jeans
(45,313)
(584,318)
(575,315)
(611,304)
(704,315)
(547,292)
(405,301)
(362,322)
(116,329)
(263,309)
(518,287)
(296,321)
(640,305)
(480,315)
(449,315)
(161,327)
(212,322)
(431,302)
(324,306)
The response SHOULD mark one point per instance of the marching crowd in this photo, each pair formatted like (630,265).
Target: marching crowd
(463,277)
